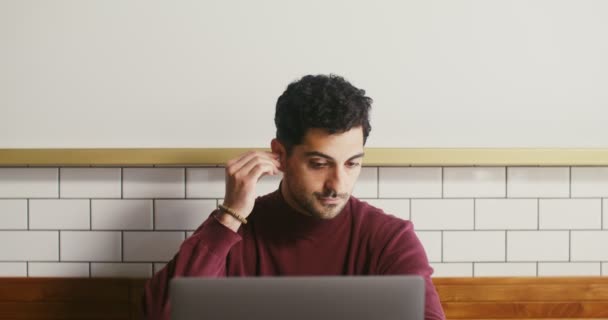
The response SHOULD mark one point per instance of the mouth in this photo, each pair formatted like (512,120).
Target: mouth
(329,200)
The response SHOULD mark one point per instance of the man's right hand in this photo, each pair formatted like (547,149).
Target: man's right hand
(242,175)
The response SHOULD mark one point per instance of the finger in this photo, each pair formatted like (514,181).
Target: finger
(246,169)
(238,163)
(261,170)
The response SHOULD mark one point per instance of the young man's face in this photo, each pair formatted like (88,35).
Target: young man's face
(320,173)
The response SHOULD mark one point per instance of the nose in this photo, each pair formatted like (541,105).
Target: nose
(334,182)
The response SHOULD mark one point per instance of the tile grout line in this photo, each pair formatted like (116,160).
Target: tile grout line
(121,183)
(506,247)
(59,244)
(506,182)
(569,245)
(378,182)
(122,246)
(538,214)
(474,214)
(570,182)
(442,181)
(441,246)
(58,183)
(28,213)
(410,209)
(153,214)
(602,213)
(90,214)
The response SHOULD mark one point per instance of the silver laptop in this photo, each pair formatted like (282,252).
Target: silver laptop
(298,298)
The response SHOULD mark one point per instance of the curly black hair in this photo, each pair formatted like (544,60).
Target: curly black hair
(320,101)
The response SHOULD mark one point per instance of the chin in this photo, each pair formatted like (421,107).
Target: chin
(326,213)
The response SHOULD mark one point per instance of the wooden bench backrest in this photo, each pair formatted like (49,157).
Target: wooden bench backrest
(524,298)
(462,298)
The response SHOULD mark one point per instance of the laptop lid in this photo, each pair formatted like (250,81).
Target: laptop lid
(298,298)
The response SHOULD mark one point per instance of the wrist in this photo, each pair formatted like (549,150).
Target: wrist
(227,220)
(229,210)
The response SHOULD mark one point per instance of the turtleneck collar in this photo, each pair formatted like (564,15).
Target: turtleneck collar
(290,220)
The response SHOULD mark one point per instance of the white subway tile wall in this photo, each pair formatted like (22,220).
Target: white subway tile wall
(58,269)
(569,269)
(570,214)
(121,270)
(60,214)
(538,245)
(463,246)
(159,246)
(478,182)
(205,182)
(605,214)
(29,182)
(472,221)
(443,214)
(535,182)
(501,269)
(506,214)
(121,214)
(367,184)
(432,243)
(90,246)
(459,269)
(397,207)
(89,183)
(589,182)
(153,183)
(409,182)
(29,245)
(181,214)
(13,214)
(13,269)
(589,245)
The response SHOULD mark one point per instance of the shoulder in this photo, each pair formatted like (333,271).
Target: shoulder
(376,219)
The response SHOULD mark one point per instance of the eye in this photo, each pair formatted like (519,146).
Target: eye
(352,164)
(317,164)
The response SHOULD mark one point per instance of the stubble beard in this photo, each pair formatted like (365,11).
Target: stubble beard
(312,206)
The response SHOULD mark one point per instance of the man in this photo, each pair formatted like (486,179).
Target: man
(311,225)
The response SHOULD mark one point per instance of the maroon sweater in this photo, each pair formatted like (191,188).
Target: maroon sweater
(277,241)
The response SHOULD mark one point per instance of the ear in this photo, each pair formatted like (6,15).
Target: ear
(277,148)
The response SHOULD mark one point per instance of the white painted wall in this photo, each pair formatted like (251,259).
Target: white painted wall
(190,73)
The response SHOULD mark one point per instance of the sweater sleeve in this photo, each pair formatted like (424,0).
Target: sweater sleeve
(404,254)
(202,255)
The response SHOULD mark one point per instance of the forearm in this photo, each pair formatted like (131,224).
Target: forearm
(202,255)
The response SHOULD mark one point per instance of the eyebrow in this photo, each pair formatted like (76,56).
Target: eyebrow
(323,155)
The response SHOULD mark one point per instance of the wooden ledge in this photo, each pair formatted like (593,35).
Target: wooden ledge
(373,157)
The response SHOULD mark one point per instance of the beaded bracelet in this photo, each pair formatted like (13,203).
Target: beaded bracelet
(232,213)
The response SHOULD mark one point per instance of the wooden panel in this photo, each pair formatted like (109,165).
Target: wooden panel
(68,298)
(65,310)
(525,310)
(136,294)
(524,298)
(549,292)
(65,289)
(462,298)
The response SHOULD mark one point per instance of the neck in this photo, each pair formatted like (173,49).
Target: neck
(289,199)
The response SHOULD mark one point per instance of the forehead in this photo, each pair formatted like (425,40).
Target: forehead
(337,145)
